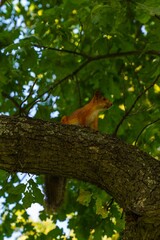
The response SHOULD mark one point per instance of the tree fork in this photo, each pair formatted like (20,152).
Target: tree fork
(131,176)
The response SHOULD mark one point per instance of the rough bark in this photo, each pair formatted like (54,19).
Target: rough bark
(131,176)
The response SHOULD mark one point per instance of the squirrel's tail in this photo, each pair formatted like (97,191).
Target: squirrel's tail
(54,189)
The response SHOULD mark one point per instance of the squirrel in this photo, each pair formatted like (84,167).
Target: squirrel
(85,116)
(88,115)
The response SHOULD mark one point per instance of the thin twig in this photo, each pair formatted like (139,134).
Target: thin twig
(149,124)
(2,2)
(109,204)
(78,91)
(89,59)
(124,54)
(104,56)
(134,103)
(157,16)
(62,50)
(56,84)
(30,92)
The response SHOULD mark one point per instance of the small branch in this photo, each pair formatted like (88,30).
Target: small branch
(78,91)
(56,84)
(157,16)
(2,2)
(104,56)
(89,59)
(134,103)
(109,204)
(30,92)
(125,54)
(149,124)
(62,50)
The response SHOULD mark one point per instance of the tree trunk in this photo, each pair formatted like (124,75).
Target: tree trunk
(131,176)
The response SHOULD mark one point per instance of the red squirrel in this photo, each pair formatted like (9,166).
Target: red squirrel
(88,115)
(85,116)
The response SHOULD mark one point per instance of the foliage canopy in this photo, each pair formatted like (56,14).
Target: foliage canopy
(54,56)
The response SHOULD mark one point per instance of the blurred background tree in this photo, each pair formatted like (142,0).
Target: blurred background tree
(54,56)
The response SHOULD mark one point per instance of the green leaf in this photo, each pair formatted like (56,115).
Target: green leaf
(100,210)
(84,197)
(27,199)
(3,175)
(20,188)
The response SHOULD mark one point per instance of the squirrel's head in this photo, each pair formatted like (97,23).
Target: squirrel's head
(101,102)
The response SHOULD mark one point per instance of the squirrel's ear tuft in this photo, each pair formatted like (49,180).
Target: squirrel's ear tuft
(97,94)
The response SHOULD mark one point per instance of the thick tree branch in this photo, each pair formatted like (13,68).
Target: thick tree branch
(131,176)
